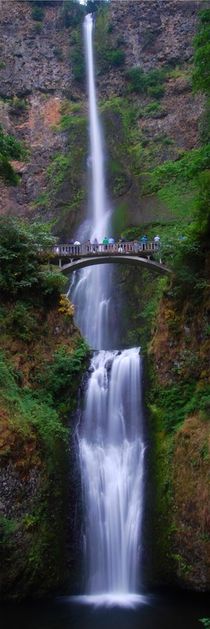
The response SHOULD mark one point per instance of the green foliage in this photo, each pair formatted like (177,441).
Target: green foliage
(78,63)
(72,13)
(92,6)
(10,148)
(58,53)
(205,622)
(52,282)
(201,75)
(184,169)
(18,105)
(38,28)
(30,409)
(200,401)
(8,527)
(150,83)
(204,125)
(107,55)
(21,321)
(42,201)
(61,377)
(21,248)
(152,110)
(171,403)
(115,58)
(37,13)
(70,166)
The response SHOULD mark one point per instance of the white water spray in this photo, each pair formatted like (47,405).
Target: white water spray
(111,454)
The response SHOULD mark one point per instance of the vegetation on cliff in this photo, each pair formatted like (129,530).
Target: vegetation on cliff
(180,384)
(10,149)
(42,359)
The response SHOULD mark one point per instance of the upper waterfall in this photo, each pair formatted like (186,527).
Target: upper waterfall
(98,193)
(92,293)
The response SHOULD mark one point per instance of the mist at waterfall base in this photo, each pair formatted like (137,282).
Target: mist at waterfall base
(163,612)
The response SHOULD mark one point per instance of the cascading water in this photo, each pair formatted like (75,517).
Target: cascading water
(91,294)
(111,454)
(110,436)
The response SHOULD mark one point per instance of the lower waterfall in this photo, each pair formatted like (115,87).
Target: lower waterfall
(111,451)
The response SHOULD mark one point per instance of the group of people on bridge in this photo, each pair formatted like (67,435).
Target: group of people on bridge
(109,245)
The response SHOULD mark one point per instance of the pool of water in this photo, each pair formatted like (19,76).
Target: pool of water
(152,612)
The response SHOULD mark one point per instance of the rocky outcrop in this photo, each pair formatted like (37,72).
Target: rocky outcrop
(34,55)
(155,33)
(36,78)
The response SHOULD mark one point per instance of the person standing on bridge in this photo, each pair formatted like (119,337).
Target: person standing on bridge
(95,245)
(157,241)
(144,241)
(105,242)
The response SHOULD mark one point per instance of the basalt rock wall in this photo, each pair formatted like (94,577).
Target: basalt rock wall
(37,84)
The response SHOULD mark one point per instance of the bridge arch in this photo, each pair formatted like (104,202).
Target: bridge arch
(85,261)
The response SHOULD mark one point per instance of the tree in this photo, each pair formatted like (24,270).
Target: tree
(10,148)
(22,248)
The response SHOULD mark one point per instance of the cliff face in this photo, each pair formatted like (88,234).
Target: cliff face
(34,455)
(180,351)
(37,84)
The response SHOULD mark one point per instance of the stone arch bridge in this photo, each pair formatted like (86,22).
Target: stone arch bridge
(70,257)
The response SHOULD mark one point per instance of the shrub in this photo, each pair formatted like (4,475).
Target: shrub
(116,58)
(21,321)
(38,27)
(10,148)
(78,64)
(190,165)
(72,13)
(150,83)
(205,622)
(18,105)
(60,379)
(21,248)
(201,75)
(37,13)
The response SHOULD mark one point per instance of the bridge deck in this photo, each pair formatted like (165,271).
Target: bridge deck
(87,248)
(72,257)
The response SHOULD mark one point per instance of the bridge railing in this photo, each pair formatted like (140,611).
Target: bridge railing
(88,248)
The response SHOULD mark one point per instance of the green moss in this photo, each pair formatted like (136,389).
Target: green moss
(180,198)
(109,52)
(152,110)
(184,169)
(42,201)
(160,470)
(66,170)
(120,218)
(150,83)
(10,148)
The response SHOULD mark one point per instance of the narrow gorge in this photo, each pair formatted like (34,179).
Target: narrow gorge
(104,373)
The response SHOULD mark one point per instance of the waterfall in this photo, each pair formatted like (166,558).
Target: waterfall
(91,293)
(111,454)
(110,438)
